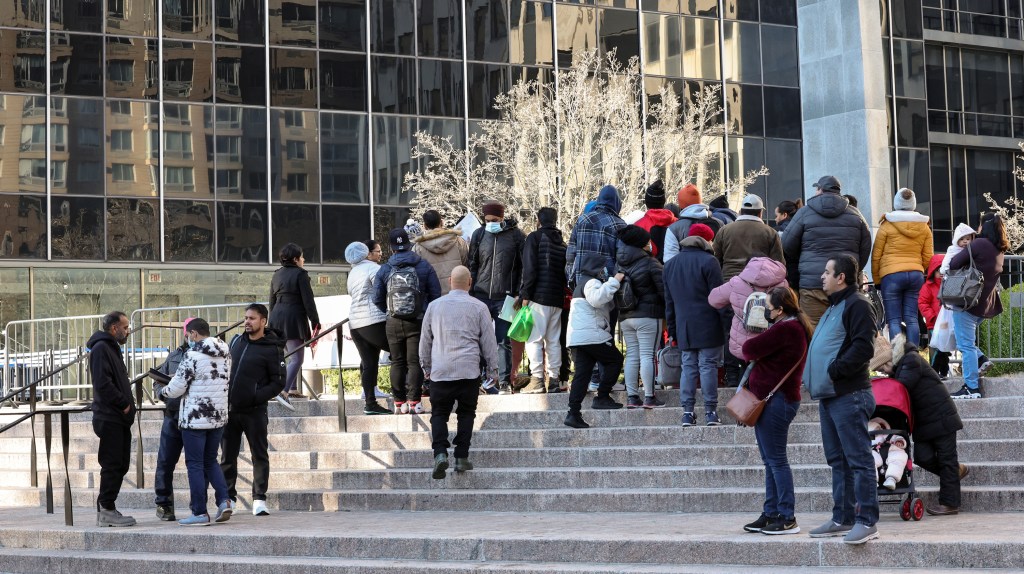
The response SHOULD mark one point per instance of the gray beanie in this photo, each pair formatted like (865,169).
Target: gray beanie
(356,252)
(905,200)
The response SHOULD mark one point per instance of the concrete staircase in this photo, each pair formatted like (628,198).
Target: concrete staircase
(637,492)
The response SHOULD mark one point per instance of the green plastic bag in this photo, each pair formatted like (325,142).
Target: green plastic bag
(522,325)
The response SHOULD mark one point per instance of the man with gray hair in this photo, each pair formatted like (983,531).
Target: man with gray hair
(457,336)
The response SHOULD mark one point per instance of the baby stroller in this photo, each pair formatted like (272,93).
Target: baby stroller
(892,403)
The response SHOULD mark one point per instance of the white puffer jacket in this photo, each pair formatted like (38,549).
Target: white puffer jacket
(590,315)
(202,377)
(362,312)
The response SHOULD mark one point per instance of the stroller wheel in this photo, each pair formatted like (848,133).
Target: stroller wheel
(905,508)
(918,509)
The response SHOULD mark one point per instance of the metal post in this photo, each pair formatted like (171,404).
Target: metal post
(48,434)
(69,518)
(342,417)
(140,470)
(33,464)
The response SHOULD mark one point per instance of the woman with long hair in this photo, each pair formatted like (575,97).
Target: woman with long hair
(780,350)
(292,309)
(366,321)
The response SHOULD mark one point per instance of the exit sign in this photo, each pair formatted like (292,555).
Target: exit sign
(323,279)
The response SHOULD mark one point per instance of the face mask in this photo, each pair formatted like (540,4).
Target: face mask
(768,315)
(493,226)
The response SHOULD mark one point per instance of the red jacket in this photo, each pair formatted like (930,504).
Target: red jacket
(928,301)
(656,218)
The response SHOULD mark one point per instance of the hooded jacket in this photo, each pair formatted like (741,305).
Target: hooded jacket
(544,267)
(825,227)
(989,261)
(361,311)
(842,346)
(656,222)
(903,243)
(689,279)
(111,389)
(736,243)
(202,382)
(292,307)
(496,261)
(935,414)
(430,288)
(762,274)
(644,273)
(678,231)
(444,250)
(595,232)
(257,371)
(592,302)
(928,301)
(724,214)
(962,230)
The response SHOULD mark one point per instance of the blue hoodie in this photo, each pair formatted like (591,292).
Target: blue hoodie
(595,233)
(429,285)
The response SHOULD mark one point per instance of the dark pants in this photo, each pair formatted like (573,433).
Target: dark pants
(585,357)
(772,432)
(370,341)
(254,426)
(203,471)
(938,456)
(565,371)
(166,459)
(443,396)
(406,373)
(597,374)
(501,336)
(844,434)
(115,456)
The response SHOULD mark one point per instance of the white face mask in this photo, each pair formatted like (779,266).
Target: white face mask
(493,226)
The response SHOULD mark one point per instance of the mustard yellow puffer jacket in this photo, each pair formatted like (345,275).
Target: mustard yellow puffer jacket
(903,243)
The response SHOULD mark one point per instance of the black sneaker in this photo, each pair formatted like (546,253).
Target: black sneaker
(781,526)
(758,524)
(634,402)
(966,392)
(165,512)
(689,420)
(376,409)
(653,403)
(605,403)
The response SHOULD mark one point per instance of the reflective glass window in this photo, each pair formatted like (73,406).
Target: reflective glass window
(342,81)
(742,47)
(486,82)
(133,229)
(617,30)
(935,74)
(1016,83)
(530,74)
(988,171)
(242,232)
(576,33)
(941,208)
(24,135)
(23,221)
(700,48)
(76,225)
(440,28)
(77,16)
(187,19)
(706,8)
(240,75)
(343,25)
(741,10)
(76,145)
(530,33)
(654,86)
(240,21)
(392,26)
(293,78)
(912,122)
(384,220)
(293,173)
(132,151)
(660,5)
(77,65)
(779,56)
(663,37)
(954,98)
(441,91)
(188,231)
(778,12)
(132,17)
(293,23)
(394,85)
(343,159)
(449,129)
(188,150)
(188,71)
(913,173)
(240,152)
(487,36)
(908,68)
(63,292)
(745,109)
(906,18)
(782,113)
(986,82)
(27,14)
(24,67)
(784,160)
(746,155)
(343,224)
(132,68)
(299,224)
(392,145)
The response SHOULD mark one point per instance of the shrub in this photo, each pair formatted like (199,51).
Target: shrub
(353,387)
(1003,335)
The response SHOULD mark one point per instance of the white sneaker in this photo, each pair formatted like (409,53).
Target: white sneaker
(401,408)
(379,393)
(417,408)
(283,400)
(259,508)
(890,483)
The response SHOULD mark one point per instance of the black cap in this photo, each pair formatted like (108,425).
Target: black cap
(829,183)
(399,240)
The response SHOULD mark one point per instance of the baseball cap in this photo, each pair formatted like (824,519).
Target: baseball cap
(828,183)
(752,201)
(399,240)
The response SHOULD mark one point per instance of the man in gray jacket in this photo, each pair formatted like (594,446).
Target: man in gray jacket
(827,227)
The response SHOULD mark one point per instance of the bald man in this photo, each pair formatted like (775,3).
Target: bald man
(457,337)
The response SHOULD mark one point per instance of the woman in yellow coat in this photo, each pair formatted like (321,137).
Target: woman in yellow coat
(903,248)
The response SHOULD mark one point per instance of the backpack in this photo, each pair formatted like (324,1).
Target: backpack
(670,366)
(754,307)
(625,297)
(404,296)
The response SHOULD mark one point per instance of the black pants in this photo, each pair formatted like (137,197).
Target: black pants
(370,341)
(443,396)
(406,373)
(938,456)
(597,373)
(566,370)
(254,426)
(115,456)
(585,357)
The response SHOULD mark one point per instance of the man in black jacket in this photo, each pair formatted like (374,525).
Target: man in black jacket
(257,375)
(170,436)
(113,411)
(544,286)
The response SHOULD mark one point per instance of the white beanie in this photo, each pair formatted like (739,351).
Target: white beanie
(356,252)
(905,200)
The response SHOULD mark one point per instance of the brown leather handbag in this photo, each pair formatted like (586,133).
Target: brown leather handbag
(746,408)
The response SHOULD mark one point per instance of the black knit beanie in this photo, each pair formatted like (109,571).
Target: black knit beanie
(634,236)
(654,197)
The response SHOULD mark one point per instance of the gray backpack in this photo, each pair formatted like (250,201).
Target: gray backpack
(962,288)
(404,296)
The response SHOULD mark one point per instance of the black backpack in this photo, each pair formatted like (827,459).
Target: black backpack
(625,298)
(404,296)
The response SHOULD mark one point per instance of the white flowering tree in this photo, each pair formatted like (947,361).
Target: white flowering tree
(1011,211)
(557,144)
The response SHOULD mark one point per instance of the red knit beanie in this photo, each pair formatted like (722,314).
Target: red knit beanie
(688,196)
(701,230)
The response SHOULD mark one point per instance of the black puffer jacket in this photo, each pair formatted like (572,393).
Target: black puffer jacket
(496,261)
(935,413)
(644,273)
(292,307)
(826,227)
(257,371)
(544,267)
(111,389)
(169,367)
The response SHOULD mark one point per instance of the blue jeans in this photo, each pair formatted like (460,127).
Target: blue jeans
(166,459)
(844,434)
(203,469)
(900,291)
(965,328)
(501,336)
(772,432)
(702,364)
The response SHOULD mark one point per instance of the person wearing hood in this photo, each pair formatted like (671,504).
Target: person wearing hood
(292,310)
(657,219)
(444,249)
(257,375)
(936,422)
(402,288)
(680,230)
(760,274)
(589,336)
(202,381)
(594,233)
(721,211)
(366,322)
(496,266)
(902,252)
(693,324)
(929,306)
(641,324)
(963,235)
(544,291)
(826,228)
(113,411)
(169,451)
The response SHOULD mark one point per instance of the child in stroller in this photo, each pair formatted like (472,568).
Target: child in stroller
(891,444)
(889,451)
